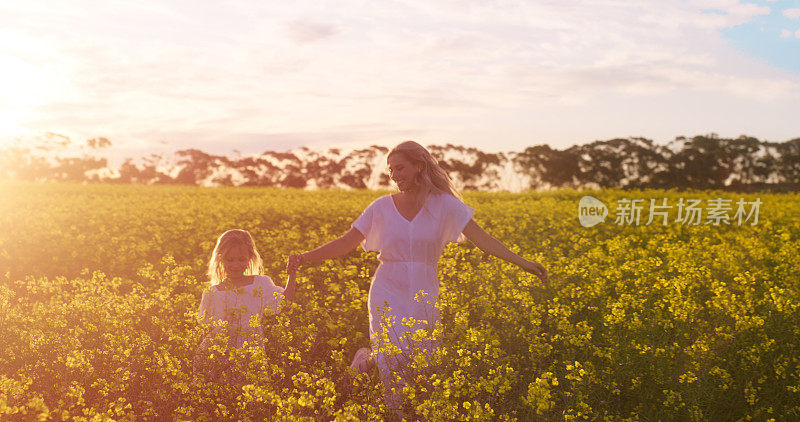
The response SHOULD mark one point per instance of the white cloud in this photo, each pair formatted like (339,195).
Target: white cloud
(797,34)
(792,13)
(785,33)
(727,13)
(207,72)
(303,32)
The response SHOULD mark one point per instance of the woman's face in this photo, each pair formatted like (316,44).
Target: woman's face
(402,172)
(235,261)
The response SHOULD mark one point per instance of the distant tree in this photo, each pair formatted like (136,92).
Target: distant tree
(323,170)
(74,169)
(223,180)
(47,157)
(257,171)
(359,168)
(746,168)
(132,173)
(197,166)
(550,168)
(97,143)
(292,180)
(703,163)
(20,163)
(789,161)
(623,162)
(468,174)
(601,162)
(355,180)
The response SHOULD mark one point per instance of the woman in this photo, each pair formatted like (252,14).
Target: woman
(410,229)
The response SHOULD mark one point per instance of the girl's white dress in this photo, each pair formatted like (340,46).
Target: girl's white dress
(231,311)
(409,254)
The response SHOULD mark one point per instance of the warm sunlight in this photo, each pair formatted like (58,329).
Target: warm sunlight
(25,87)
(591,211)
(8,130)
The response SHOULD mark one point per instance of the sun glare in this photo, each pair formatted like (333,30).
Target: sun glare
(25,87)
(9,129)
(20,93)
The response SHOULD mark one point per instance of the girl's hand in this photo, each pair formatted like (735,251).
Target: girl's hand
(295,261)
(536,269)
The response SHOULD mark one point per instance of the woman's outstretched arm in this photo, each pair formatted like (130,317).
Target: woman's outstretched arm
(336,247)
(485,242)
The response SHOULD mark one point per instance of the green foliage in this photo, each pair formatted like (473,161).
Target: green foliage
(99,287)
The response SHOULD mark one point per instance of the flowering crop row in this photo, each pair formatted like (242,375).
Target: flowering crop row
(99,285)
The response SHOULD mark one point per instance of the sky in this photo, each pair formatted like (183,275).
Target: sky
(499,75)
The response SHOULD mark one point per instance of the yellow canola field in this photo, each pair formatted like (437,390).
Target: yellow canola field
(99,285)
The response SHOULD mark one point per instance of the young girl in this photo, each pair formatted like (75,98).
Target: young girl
(236,295)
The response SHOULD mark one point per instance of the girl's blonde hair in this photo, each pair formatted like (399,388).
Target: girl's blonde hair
(227,241)
(432,178)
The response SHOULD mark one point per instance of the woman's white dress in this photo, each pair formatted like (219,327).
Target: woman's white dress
(409,254)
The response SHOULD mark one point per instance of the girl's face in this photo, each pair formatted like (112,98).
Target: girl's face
(403,172)
(235,260)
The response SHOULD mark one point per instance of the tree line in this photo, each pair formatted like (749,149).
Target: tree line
(700,162)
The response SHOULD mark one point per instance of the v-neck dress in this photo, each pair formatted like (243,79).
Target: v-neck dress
(409,254)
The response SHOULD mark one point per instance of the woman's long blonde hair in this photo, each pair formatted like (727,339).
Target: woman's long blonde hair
(227,241)
(432,178)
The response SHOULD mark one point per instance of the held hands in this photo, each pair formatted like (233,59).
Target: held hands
(291,284)
(536,269)
(295,261)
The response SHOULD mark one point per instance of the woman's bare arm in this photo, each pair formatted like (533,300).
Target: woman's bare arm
(337,247)
(485,242)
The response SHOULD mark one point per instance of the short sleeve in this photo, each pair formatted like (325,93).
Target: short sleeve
(368,223)
(270,300)
(456,215)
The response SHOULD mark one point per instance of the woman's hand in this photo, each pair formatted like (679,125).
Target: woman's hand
(295,261)
(536,269)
